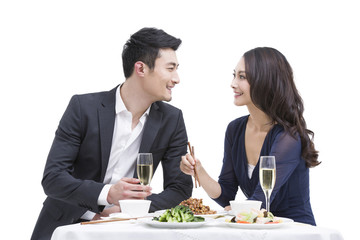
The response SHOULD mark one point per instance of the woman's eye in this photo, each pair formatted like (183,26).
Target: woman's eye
(242,77)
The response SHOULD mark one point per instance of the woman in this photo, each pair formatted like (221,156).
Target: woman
(263,81)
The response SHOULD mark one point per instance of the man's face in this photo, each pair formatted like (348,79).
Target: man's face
(163,77)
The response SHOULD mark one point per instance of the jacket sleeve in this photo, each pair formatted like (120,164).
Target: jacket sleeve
(58,181)
(177,185)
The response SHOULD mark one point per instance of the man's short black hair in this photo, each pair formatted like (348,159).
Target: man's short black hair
(144,46)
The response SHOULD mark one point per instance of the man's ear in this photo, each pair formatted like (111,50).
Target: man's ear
(139,68)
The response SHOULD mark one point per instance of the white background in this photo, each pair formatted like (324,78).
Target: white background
(50,50)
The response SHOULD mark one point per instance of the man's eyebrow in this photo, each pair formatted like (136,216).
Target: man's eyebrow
(173,64)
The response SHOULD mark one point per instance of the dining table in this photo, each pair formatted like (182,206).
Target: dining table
(211,229)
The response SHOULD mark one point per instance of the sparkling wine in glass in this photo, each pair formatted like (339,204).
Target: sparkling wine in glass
(267,177)
(144,168)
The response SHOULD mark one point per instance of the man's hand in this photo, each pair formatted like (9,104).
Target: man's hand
(127,188)
(106,212)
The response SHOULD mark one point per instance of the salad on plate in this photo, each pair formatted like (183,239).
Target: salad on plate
(255,217)
(178,214)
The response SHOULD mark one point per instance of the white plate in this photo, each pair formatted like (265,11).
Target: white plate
(217,214)
(284,222)
(157,224)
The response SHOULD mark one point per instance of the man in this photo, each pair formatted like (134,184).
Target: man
(92,161)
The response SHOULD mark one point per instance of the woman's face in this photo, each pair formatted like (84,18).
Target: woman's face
(240,85)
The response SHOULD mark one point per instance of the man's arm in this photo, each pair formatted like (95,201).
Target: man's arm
(58,181)
(177,185)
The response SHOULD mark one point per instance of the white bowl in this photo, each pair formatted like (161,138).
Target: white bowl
(244,206)
(135,208)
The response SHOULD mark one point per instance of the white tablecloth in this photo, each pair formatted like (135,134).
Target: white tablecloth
(211,231)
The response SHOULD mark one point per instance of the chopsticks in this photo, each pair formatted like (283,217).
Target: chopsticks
(192,153)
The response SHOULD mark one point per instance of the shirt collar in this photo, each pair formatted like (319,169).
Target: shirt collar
(120,106)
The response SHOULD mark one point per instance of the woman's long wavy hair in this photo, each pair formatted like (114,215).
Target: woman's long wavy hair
(272,89)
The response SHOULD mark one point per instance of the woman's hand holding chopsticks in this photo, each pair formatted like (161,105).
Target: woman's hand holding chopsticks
(188,164)
(191,165)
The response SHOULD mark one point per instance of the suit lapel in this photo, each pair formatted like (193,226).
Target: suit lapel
(106,113)
(151,128)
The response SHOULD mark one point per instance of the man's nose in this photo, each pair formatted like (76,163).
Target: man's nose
(176,78)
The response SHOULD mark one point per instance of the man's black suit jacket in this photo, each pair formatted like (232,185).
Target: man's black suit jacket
(78,159)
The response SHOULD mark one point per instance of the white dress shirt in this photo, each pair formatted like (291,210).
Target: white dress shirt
(124,149)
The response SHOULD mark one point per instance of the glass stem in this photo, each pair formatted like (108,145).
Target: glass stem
(267,197)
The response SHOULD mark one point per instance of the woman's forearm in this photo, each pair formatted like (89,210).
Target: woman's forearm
(211,187)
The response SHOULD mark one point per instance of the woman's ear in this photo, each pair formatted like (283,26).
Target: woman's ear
(139,68)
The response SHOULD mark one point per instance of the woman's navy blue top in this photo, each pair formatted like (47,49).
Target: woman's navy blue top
(290,197)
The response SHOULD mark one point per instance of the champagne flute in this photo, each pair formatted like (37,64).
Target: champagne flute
(267,177)
(144,168)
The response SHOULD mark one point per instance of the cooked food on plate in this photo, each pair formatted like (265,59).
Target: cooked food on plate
(197,207)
